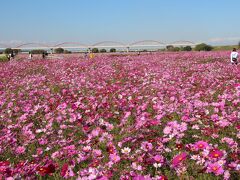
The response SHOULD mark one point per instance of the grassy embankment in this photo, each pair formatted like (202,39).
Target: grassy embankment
(225,48)
(3,58)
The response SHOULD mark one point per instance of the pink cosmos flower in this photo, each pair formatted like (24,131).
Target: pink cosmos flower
(226,175)
(20,150)
(95,132)
(97,152)
(39,151)
(66,171)
(167,130)
(115,158)
(215,168)
(178,159)
(140,177)
(158,158)
(146,146)
(163,177)
(136,166)
(200,145)
(154,122)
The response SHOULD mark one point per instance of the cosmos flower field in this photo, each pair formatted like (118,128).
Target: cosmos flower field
(153,116)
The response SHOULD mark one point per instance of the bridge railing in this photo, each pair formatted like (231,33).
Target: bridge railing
(103,44)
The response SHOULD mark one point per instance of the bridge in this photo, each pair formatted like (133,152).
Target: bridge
(103,44)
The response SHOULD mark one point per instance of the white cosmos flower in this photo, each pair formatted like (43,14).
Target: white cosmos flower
(157,165)
(194,157)
(101,121)
(207,112)
(120,96)
(195,127)
(221,162)
(87,148)
(126,150)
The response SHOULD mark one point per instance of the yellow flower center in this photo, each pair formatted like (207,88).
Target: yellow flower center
(216,155)
(41,169)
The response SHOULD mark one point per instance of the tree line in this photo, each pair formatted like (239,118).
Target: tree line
(199,47)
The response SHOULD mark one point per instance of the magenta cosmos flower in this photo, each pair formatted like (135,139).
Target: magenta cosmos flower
(215,168)
(216,154)
(200,145)
(178,159)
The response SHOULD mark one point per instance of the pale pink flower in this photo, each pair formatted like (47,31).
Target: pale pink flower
(146,146)
(114,158)
(215,168)
(20,150)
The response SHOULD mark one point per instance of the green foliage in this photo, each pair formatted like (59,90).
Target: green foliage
(187,48)
(38,51)
(16,51)
(67,52)
(175,49)
(170,47)
(224,48)
(103,51)
(59,51)
(9,51)
(95,50)
(113,50)
(3,58)
(203,47)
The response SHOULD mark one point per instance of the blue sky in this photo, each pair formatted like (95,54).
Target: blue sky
(90,21)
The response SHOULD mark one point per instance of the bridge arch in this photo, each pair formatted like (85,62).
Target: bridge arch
(30,45)
(68,44)
(145,43)
(109,44)
(183,43)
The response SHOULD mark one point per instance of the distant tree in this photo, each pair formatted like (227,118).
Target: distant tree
(8,51)
(16,51)
(59,51)
(239,44)
(176,49)
(113,50)
(103,50)
(38,51)
(95,50)
(67,52)
(187,48)
(203,47)
(170,47)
